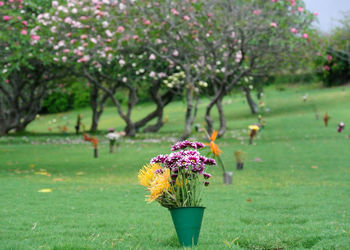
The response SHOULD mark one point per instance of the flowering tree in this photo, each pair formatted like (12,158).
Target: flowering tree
(97,39)
(25,71)
(250,39)
(224,42)
(173,33)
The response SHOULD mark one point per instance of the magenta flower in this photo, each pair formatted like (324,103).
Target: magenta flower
(306,36)
(6,18)
(273,24)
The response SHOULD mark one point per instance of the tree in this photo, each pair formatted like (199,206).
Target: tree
(250,39)
(98,40)
(25,71)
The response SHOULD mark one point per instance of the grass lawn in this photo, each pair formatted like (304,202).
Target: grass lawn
(293,193)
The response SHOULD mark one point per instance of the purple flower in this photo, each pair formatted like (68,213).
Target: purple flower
(173,176)
(206,183)
(159,159)
(208,161)
(158,171)
(199,145)
(206,175)
(185,144)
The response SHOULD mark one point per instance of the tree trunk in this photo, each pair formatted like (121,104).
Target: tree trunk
(222,128)
(155,128)
(190,114)
(94,105)
(252,105)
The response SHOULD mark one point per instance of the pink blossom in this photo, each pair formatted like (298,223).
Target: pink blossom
(54,4)
(273,24)
(292,2)
(120,29)
(7,80)
(152,57)
(315,13)
(175,53)
(25,23)
(187,18)
(135,37)
(300,9)
(146,22)
(108,33)
(35,37)
(329,57)
(83,36)
(121,62)
(24,32)
(274,1)
(84,59)
(53,29)
(68,20)
(68,34)
(73,41)
(152,74)
(2,3)
(326,67)
(66,51)
(175,12)
(6,18)
(93,40)
(294,30)
(306,36)
(257,12)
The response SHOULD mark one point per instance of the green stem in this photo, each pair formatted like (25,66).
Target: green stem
(221,163)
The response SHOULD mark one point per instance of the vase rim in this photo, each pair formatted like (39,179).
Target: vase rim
(184,207)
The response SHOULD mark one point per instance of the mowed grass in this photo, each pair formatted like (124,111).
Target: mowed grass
(293,193)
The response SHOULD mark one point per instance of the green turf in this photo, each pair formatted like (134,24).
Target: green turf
(292,194)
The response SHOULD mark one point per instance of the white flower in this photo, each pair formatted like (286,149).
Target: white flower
(105,24)
(113,136)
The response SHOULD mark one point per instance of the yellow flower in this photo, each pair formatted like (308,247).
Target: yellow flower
(146,174)
(159,185)
(45,190)
(254,127)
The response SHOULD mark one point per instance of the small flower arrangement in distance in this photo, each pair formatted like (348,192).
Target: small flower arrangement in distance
(94,142)
(113,138)
(240,158)
(341,126)
(176,179)
(253,131)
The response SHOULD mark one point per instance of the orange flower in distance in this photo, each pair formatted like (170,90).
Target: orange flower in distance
(94,141)
(213,147)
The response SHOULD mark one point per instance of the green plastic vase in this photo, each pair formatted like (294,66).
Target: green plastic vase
(187,222)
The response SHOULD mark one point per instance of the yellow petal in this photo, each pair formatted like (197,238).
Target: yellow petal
(45,190)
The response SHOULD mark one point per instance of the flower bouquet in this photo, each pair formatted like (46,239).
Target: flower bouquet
(113,137)
(94,142)
(326,118)
(175,180)
(240,157)
(253,131)
(341,126)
